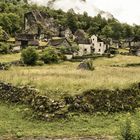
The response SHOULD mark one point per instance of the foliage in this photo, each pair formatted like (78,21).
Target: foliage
(69,50)
(29,56)
(4,48)
(12,13)
(10,22)
(50,55)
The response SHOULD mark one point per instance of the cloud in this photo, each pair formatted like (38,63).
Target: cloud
(124,10)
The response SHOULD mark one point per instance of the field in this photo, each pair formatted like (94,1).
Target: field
(58,79)
(13,122)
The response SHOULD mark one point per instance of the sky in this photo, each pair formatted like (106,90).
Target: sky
(127,11)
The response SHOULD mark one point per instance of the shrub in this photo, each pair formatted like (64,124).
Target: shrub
(4,48)
(90,64)
(69,50)
(50,55)
(29,56)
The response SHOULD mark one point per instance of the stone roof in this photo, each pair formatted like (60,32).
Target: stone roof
(81,37)
(58,41)
(133,39)
(25,37)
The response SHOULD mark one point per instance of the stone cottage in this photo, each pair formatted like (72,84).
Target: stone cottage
(133,43)
(25,40)
(59,42)
(62,42)
(92,45)
(83,42)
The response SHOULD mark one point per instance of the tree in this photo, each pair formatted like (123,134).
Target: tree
(29,56)
(107,31)
(71,20)
(127,31)
(50,55)
(10,22)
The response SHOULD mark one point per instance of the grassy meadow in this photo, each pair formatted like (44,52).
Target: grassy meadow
(58,79)
(15,122)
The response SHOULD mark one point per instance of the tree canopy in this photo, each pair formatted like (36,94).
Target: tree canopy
(12,13)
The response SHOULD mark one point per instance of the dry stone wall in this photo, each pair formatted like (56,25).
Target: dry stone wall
(90,101)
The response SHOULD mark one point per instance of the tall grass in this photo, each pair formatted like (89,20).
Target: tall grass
(58,79)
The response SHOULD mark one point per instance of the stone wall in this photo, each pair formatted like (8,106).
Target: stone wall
(43,107)
(90,101)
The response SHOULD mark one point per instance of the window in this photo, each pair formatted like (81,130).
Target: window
(85,50)
(99,50)
(92,44)
(100,44)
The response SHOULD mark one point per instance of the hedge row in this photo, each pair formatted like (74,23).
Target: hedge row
(90,101)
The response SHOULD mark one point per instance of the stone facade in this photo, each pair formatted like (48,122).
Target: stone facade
(84,49)
(94,45)
(134,44)
(98,45)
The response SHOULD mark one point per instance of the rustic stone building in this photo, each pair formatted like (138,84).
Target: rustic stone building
(99,46)
(25,40)
(134,45)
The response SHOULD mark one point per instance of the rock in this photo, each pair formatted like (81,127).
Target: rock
(4,66)
(86,65)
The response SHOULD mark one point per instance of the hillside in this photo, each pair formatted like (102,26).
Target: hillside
(12,13)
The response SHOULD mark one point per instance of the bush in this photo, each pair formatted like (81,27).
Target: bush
(50,55)
(29,56)
(4,48)
(69,50)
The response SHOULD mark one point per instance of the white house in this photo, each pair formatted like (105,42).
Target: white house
(98,45)
(85,49)
(95,45)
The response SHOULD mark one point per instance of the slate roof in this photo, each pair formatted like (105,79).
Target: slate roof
(57,41)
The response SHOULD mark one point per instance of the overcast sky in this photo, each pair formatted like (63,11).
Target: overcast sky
(124,10)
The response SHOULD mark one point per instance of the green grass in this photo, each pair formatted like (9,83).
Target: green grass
(14,123)
(58,79)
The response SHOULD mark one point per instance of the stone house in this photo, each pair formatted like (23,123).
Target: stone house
(99,46)
(92,45)
(133,43)
(59,42)
(25,40)
(62,42)
(83,42)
